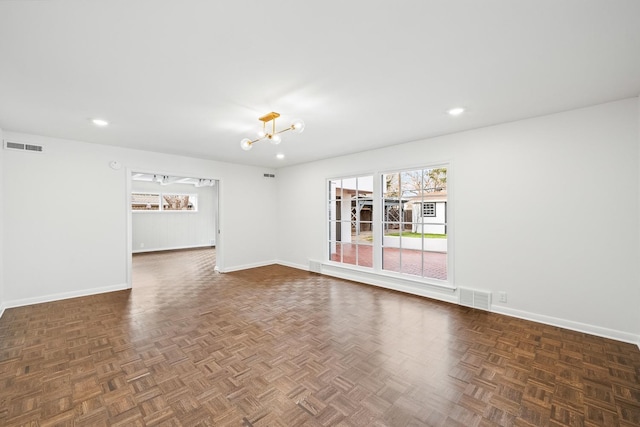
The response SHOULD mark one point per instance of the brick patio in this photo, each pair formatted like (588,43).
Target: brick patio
(415,262)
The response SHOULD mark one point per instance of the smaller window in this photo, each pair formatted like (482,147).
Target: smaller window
(179,202)
(428,209)
(145,201)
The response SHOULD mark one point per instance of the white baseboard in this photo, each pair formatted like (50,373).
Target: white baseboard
(380,281)
(64,295)
(172,248)
(247,266)
(293,265)
(439,293)
(451,296)
(569,324)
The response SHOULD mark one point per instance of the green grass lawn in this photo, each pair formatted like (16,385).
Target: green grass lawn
(417,235)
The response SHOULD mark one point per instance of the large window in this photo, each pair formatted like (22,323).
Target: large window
(412,222)
(351,220)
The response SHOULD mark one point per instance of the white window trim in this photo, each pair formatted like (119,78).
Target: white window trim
(424,206)
(161,203)
(398,281)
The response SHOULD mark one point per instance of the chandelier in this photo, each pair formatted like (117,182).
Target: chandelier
(271,134)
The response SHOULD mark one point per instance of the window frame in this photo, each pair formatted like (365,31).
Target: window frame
(428,213)
(158,202)
(336,224)
(378,220)
(193,198)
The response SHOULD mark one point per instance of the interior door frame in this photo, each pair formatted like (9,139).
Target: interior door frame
(218,220)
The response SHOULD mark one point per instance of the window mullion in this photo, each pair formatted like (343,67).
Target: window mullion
(377,217)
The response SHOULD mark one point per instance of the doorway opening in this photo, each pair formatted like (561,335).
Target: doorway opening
(171,216)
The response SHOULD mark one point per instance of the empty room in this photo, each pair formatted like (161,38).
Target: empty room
(412,213)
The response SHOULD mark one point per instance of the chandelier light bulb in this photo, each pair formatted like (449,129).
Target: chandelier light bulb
(276,139)
(270,131)
(298,125)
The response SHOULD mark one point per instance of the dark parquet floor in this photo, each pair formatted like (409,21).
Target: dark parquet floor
(275,346)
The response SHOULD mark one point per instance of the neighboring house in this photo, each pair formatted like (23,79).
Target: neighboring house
(358,207)
(429,213)
(353,205)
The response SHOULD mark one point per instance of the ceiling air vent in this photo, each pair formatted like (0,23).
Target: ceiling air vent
(10,145)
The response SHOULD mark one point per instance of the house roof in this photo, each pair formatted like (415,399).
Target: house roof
(435,196)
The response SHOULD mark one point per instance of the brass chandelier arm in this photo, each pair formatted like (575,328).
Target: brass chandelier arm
(283,130)
(298,125)
(269,135)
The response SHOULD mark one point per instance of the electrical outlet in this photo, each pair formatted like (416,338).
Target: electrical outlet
(502,296)
(142,245)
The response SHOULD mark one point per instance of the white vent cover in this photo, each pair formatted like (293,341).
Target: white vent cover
(11,145)
(476,299)
(315,266)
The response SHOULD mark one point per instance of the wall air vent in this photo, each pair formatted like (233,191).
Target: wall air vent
(11,145)
(476,299)
(315,266)
(30,147)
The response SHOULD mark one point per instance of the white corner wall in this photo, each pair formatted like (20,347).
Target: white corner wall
(66,214)
(544,209)
(156,231)
(2,306)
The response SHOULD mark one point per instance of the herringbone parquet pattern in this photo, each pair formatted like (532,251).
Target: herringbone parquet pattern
(275,346)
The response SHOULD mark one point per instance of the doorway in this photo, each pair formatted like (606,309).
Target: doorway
(169,214)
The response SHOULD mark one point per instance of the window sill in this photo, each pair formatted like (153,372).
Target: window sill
(434,288)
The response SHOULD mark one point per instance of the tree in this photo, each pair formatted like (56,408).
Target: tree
(417,182)
(435,179)
(392,187)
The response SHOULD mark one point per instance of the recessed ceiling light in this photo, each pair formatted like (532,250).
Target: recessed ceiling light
(456,111)
(280,156)
(99,122)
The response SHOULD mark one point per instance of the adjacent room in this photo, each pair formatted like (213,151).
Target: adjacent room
(417,213)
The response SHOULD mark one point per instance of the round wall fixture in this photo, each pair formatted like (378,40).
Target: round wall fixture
(115,165)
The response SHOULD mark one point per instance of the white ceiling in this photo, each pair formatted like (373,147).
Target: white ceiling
(192,77)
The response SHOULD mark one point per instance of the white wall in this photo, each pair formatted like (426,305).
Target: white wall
(1,225)
(65,236)
(153,231)
(544,243)
(65,216)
